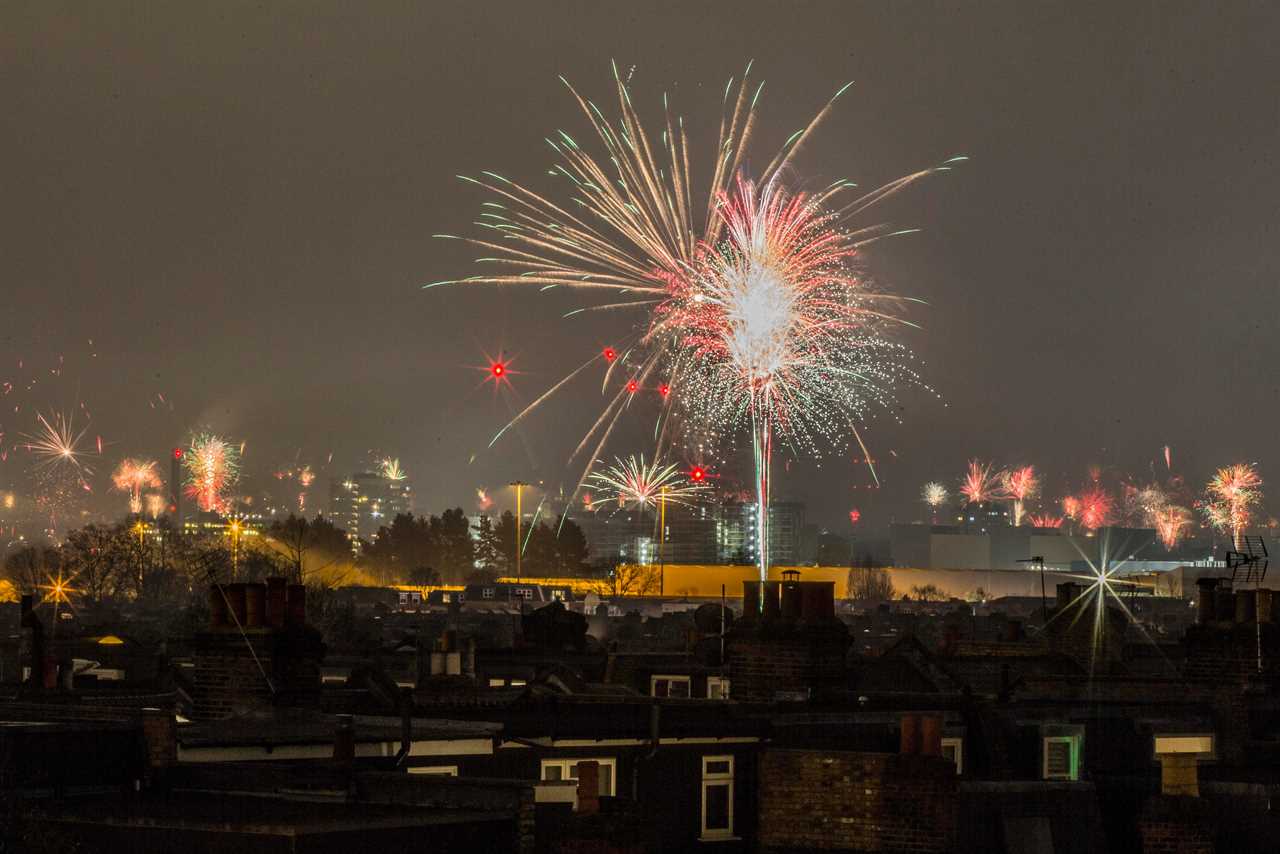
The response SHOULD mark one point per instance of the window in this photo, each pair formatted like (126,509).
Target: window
(1061,757)
(487,593)
(717,797)
(525,593)
(497,683)
(560,770)
(717,688)
(953,749)
(669,686)
(446,597)
(437,770)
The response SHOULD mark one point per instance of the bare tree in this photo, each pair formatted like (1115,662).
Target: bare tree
(870,584)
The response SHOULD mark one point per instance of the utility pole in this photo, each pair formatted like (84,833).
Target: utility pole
(519,485)
(662,541)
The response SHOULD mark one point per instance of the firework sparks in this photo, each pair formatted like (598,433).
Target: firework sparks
(483,501)
(636,484)
(1171,523)
(213,467)
(57,444)
(755,317)
(155,505)
(981,483)
(1044,520)
(391,470)
(1071,507)
(934,494)
(1097,509)
(1232,493)
(132,476)
(1019,485)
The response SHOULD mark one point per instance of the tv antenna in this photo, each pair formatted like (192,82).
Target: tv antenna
(1249,564)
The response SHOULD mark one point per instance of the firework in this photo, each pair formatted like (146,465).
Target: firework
(483,501)
(1044,520)
(935,495)
(391,470)
(1171,523)
(855,516)
(1232,493)
(636,484)
(1071,507)
(155,505)
(1097,509)
(213,467)
(57,444)
(132,476)
(1020,484)
(755,318)
(981,483)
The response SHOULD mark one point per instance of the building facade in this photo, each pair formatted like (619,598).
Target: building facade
(362,502)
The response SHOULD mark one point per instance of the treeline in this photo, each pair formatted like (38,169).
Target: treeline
(141,562)
(445,549)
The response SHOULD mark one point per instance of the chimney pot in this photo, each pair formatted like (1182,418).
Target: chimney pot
(909,735)
(277,593)
(1245,606)
(255,606)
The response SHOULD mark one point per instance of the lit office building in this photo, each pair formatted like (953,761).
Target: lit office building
(365,501)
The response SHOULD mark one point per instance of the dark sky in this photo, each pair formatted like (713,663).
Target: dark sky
(236,204)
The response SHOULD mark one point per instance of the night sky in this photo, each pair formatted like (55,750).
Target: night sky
(236,206)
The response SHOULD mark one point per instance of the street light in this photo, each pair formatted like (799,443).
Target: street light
(519,485)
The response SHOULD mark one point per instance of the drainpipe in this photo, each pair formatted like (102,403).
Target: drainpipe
(406,726)
(655,718)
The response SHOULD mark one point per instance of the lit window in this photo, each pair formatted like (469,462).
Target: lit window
(497,683)
(1061,757)
(717,688)
(669,686)
(487,593)
(953,749)
(566,770)
(525,593)
(437,770)
(717,797)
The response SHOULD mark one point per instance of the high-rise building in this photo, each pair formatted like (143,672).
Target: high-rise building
(737,538)
(363,502)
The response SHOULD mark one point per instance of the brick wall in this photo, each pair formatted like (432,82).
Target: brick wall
(765,660)
(845,801)
(1175,825)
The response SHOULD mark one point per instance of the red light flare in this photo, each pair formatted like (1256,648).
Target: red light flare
(697,474)
(498,370)
(664,390)
(633,386)
(854,516)
(177,453)
(609,354)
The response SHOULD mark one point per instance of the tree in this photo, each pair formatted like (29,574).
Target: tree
(927,593)
(635,579)
(572,550)
(307,547)
(31,566)
(397,550)
(869,584)
(451,533)
(488,553)
(96,556)
(504,537)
